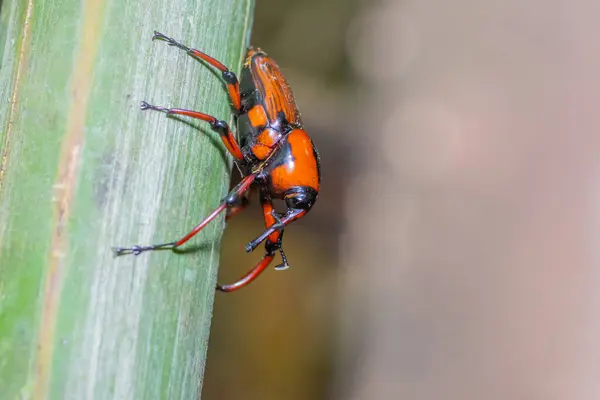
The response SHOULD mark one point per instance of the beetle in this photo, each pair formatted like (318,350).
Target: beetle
(274,153)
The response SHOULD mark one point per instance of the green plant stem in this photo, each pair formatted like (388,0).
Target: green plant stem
(82,169)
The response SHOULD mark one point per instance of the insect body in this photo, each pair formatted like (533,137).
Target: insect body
(274,153)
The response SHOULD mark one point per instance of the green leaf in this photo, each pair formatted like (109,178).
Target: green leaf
(82,169)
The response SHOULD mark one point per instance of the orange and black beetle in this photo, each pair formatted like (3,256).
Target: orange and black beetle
(274,153)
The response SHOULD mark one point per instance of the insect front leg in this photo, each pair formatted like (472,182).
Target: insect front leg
(230,199)
(250,275)
(276,238)
(299,201)
(270,250)
(240,205)
(272,245)
(277,227)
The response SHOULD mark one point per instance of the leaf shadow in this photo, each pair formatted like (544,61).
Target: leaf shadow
(123,251)
(193,248)
(213,140)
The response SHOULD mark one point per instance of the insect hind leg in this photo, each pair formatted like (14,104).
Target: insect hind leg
(231,80)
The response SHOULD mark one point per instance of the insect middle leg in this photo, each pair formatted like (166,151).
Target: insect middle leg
(233,85)
(231,198)
(219,126)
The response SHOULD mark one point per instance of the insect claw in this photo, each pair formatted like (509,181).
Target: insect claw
(158,35)
(147,106)
(137,250)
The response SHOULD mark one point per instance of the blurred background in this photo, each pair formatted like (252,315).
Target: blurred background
(453,252)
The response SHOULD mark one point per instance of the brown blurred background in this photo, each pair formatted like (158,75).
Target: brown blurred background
(453,252)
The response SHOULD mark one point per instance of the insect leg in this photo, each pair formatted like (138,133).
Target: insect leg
(219,126)
(231,198)
(239,206)
(259,268)
(250,275)
(275,238)
(278,226)
(272,245)
(233,85)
